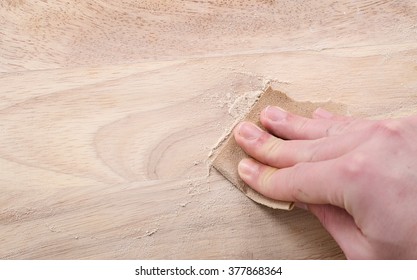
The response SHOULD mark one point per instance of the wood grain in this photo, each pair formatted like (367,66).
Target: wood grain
(39,34)
(106,131)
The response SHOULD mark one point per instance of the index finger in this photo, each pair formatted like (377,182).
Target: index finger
(291,126)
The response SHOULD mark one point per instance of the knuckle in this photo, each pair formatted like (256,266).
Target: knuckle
(336,129)
(272,150)
(301,126)
(354,166)
(266,179)
(314,152)
(388,128)
(297,192)
(333,130)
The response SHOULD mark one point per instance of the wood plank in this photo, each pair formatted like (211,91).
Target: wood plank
(113,161)
(37,34)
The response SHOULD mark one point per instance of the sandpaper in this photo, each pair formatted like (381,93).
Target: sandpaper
(229,154)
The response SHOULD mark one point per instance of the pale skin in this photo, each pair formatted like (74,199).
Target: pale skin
(357,176)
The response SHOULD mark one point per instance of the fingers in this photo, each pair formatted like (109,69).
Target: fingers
(343,228)
(279,153)
(304,182)
(290,126)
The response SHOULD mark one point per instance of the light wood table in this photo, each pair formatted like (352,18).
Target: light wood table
(109,110)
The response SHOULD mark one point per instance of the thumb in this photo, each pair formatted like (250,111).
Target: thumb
(342,227)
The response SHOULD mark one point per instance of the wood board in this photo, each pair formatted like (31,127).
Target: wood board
(105,137)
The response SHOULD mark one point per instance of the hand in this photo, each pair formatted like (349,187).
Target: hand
(358,177)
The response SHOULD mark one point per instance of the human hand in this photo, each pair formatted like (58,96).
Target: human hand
(358,177)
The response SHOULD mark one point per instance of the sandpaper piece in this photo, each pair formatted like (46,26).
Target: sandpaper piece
(229,154)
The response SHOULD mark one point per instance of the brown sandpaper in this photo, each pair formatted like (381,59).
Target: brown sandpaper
(229,153)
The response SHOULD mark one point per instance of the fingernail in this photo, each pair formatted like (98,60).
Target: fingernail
(247,168)
(320,112)
(249,131)
(275,114)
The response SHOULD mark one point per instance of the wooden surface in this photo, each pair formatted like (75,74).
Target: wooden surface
(109,111)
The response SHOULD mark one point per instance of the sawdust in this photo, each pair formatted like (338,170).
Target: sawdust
(238,108)
(148,233)
(184,204)
(54,229)
(194,187)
